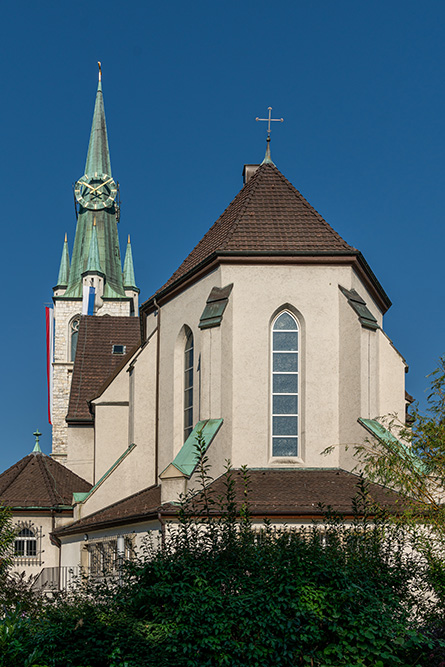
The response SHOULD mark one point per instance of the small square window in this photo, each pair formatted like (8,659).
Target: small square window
(119,349)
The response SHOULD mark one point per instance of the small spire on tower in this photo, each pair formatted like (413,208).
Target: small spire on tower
(37,449)
(128,272)
(64,269)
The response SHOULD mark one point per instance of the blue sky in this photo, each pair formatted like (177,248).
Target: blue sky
(361,88)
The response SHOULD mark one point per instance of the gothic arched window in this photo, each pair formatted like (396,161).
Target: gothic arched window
(74,332)
(25,544)
(285,385)
(188,384)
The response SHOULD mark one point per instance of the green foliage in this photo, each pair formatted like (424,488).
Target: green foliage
(416,466)
(7,535)
(216,592)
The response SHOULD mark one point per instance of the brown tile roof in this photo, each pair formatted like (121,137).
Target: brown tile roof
(299,492)
(288,493)
(94,361)
(38,480)
(268,216)
(136,507)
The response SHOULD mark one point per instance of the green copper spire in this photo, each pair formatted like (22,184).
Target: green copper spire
(64,270)
(267,157)
(105,249)
(93,263)
(129,279)
(37,449)
(98,158)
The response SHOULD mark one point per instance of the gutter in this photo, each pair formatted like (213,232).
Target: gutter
(208,261)
(158,358)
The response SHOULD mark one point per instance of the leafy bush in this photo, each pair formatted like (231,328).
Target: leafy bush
(219,592)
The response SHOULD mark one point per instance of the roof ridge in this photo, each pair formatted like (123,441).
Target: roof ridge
(253,182)
(51,490)
(20,469)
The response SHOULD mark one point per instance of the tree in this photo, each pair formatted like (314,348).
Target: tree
(7,535)
(413,462)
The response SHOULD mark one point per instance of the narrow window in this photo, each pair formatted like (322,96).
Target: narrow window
(285,385)
(25,544)
(188,385)
(74,332)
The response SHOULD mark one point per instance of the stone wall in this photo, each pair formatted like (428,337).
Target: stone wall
(64,312)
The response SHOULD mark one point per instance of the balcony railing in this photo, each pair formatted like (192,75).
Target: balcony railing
(57,578)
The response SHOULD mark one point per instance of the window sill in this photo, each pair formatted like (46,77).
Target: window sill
(286,461)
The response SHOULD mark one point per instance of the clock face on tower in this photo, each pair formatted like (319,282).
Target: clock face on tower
(95,192)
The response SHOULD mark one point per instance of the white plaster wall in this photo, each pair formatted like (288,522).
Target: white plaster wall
(73,546)
(186,309)
(142,414)
(50,552)
(392,368)
(111,425)
(311,293)
(116,486)
(80,458)
(342,372)
(70,551)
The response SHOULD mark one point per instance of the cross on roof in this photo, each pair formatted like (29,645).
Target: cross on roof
(270,120)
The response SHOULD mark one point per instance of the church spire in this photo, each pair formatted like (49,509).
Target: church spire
(98,157)
(96,194)
(64,269)
(129,279)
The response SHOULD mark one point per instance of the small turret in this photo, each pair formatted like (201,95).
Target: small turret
(37,449)
(129,280)
(64,271)
(93,276)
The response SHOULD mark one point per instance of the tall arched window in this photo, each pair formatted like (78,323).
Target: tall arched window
(285,385)
(188,385)
(74,332)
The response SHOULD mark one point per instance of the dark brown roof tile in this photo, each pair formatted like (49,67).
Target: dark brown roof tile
(287,493)
(94,359)
(38,480)
(268,216)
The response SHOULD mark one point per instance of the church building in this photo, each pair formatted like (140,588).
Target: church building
(267,343)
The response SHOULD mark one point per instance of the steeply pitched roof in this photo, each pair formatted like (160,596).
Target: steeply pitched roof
(268,216)
(98,160)
(39,481)
(128,272)
(286,493)
(95,360)
(98,157)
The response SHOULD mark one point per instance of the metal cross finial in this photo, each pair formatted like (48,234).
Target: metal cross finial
(270,120)
(100,70)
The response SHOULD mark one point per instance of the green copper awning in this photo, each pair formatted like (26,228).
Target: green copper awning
(187,457)
(389,440)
